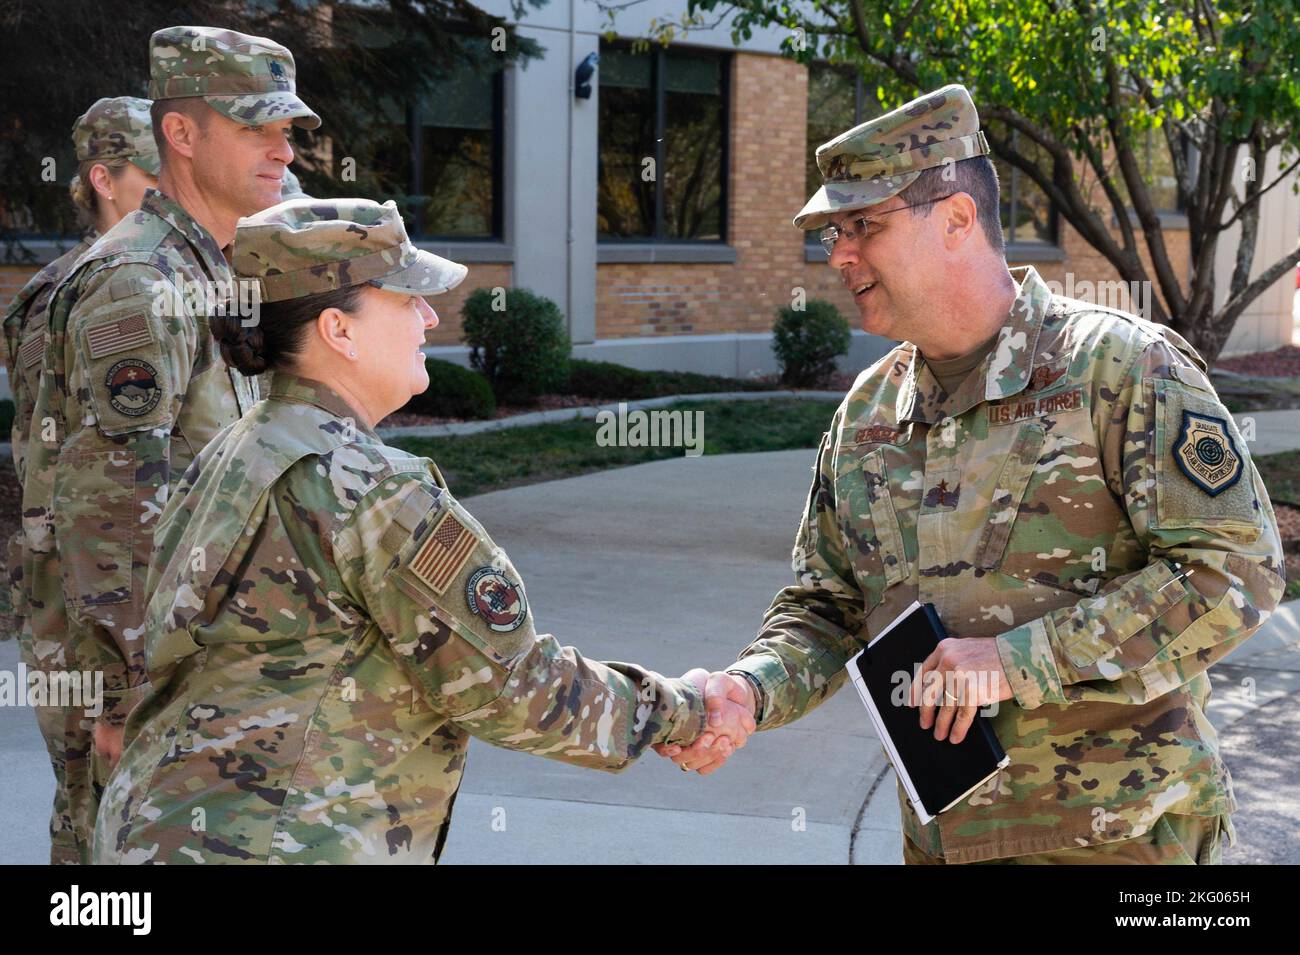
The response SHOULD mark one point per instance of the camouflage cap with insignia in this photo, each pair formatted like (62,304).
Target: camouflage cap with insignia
(308,246)
(117,127)
(881,158)
(249,79)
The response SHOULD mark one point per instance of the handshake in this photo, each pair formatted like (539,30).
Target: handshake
(730,702)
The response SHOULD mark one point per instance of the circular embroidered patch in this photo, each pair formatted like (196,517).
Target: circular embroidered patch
(133,387)
(496,598)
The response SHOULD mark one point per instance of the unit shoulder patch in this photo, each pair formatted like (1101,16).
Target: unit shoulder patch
(1206,453)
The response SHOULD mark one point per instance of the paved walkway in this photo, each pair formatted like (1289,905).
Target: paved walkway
(643,564)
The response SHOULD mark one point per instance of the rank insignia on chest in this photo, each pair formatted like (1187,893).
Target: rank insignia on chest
(1206,453)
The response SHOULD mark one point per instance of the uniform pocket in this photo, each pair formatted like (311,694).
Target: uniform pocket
(880,502)
(1203,470)
(95,528)
(1008,494)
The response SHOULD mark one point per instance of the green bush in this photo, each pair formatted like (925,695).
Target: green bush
(523,350)
(606,381)
(454,392)
(6,418)
(808,342)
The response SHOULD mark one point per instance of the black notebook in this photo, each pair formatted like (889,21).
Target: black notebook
(936,774)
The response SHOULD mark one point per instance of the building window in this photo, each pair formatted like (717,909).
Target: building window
(1158,170)
(442,160)
(1028,216)
(662,156)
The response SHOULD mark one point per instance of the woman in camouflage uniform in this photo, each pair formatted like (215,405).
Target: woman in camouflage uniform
(118,160)
(327,625)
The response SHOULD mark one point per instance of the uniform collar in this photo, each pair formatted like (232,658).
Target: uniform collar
(1004,373)
(287,386)
(174,214)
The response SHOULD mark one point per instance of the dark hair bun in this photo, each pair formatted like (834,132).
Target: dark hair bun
(243,347)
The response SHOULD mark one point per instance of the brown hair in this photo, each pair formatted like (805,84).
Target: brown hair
(275,339)
(977,177)
(83,193)
(195,107)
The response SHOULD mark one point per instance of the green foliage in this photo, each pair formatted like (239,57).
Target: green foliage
(808,341)
(523,348)
(606,381)
(454,392)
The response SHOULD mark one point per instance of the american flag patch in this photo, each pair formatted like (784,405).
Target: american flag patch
(113,337)
(32,351)
(442,556)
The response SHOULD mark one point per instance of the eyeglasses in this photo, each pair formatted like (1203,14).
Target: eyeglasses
(830,234)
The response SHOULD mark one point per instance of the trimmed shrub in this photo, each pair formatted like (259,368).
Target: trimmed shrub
(807,342)
(454,392)
(522,350)
(606,381)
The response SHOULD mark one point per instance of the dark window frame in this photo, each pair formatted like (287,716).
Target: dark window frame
(414,129)
(810,237)
(1053,213)
(657,75)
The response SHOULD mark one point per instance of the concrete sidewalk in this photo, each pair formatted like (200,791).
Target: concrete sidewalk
(672,564)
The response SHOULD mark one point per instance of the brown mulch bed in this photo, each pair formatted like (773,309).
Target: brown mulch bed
(1282,362)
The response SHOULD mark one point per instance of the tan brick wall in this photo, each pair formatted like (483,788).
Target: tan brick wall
(766,189)
(448,305)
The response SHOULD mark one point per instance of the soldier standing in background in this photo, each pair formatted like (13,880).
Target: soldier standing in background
(133,386)
(1059,480)
(117,161)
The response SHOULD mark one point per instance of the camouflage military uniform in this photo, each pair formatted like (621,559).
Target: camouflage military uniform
(1083,497)
(132,388)
(1041,504)
(113,128)
(327,626)
(116,128)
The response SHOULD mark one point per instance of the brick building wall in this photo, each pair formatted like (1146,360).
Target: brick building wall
(766,189)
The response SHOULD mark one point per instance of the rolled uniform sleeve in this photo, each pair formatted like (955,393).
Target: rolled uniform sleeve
(126,369)
(1214,569)
(456,615)
(809,633)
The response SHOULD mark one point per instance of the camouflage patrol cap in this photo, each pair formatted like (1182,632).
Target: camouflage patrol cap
(249,79)
(308,246)
(881,158)
(117,127)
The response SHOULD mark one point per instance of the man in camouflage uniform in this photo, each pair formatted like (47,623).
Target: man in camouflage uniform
(1059,480)
(327,626)
(133,386)
(115,128)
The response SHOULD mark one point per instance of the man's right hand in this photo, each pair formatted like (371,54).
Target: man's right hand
(727,697)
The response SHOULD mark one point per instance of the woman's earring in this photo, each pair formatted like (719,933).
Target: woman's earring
(352,354)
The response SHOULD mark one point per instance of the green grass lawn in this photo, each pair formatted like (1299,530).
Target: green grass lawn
(473,464)
(1281,474)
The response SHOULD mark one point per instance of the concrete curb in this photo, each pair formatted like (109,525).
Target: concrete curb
(533,418)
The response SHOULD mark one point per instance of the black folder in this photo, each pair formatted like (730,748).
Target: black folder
(936,774)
